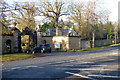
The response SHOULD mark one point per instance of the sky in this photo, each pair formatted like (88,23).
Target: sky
(110,5)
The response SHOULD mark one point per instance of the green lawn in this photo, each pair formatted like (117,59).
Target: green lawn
(16,56)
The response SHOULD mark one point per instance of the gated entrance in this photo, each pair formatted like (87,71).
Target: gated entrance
(28,39)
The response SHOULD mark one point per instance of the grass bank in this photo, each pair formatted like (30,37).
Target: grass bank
(16,56)
(96,48)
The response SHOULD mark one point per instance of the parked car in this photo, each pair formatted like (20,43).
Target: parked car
(42,48)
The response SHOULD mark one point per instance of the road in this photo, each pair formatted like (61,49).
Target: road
(98,65)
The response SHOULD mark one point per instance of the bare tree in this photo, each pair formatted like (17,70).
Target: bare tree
(5,21)
(53,10)
(24,14)
(4,9)
(77,10)
(88,17)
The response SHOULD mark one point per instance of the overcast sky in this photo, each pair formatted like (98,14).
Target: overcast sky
(111,5)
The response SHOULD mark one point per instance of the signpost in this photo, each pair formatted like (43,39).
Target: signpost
(57,46)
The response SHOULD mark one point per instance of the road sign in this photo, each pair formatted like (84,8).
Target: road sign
(57,45)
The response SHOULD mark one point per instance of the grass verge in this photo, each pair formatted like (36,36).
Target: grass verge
(96,48)
(16,56)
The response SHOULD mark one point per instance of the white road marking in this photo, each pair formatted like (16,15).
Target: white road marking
(62,62)
(71,60)
(22,67)
(87,62)
(115,53)
(84,65)
(49,63)
(68,61)
(88,69)
(93,65)
(99,69)
(16,68)
(104,76)
(31,66)
(78,75)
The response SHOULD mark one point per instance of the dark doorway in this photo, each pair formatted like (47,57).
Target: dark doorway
(8,46)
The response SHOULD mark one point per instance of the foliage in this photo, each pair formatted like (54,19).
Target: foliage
(47,25)
(6,32)
(61,23)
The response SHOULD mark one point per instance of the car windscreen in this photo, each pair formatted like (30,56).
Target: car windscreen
(47,45)
(40,45)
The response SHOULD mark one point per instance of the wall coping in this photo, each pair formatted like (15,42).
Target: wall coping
(60,36)
(47,36)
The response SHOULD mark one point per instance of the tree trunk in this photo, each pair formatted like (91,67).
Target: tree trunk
(107,36)
(56,26)
(57,31)
(93,39)
(115,37)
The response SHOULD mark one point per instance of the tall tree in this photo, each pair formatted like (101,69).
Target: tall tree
(77,10)
(53,10)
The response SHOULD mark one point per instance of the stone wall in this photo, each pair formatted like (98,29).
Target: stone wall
(104,42)
(0,38)
(41,39)
(4,39)
(65,42)
(85,44)
(74,42)
(14,42)
(48,40)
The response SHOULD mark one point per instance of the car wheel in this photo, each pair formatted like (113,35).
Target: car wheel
(50,51)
